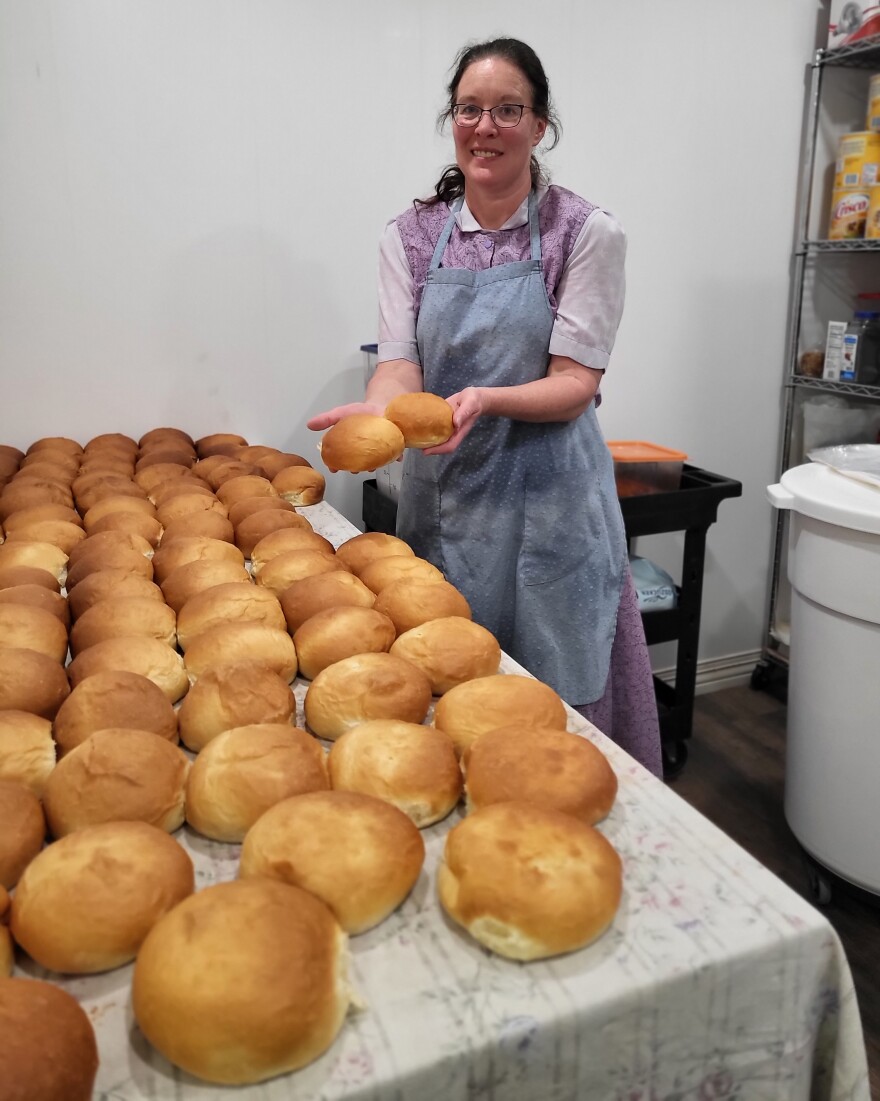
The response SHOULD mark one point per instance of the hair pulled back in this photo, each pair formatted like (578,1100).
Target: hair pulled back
(451,184)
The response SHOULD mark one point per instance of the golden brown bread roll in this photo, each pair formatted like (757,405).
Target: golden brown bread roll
(149,477)
(103,584)
(306,597)
(424,419)
(244,771)
(239,642)
(376,575)
(7,956)
(232,603)
(258,525)
(253,452)
(28,575)
(243,981)
(90,489)
(153,659)
(36,513)
(300,485)
(287,539)
(164,491)
(61,533)
(113,698)
(194,577)
(204,467)
(366,686)
(210,524)
(550,768)
(227,467)
(123,617)
(337,633)
(114,441)
(52,456)
(359,855)
(22,830)
(280,572)
(184,504)
(244,487)
(412,601)
(130,523)
(164,434)
(55,443)
(41,556)
(414,767)
(27,752)
(242,693)
(109,462)
(247,506)
(272,465)
(27,627)
(528,882)
(31,682)
(360,442)
(38,597)
(117,774)
(123,877)
(450,651)
(156,455)
(12,452)
(43,1018)
(117,503)
(488,702)
(107,540)
(216,443)
(114,557)
(22,495)
(196,548)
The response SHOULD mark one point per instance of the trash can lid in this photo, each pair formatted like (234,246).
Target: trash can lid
(824,494)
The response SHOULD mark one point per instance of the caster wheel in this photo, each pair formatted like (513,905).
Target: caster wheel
(819,884)
(675,757)
(760,678)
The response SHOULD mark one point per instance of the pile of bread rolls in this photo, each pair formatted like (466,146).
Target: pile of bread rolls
(158,600)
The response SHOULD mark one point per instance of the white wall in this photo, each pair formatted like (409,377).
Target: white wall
(191,194)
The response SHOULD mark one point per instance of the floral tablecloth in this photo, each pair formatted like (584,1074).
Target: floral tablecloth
(716,981)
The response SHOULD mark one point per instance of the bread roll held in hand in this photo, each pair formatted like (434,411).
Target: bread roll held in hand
(87,901)
(299,485)
(243,981)
(124,617)
(450,651)
(239,693)
(424,419)
(550,768)
(22,831)
(239,642)
(304,598)
(31,682)
(244,771)
(361,442)
(528,882)
(27,627)
(359,855)
(230,603)
(479,705)
(50,1051)
(360,550)
(27,751)
(113,698)
(366,686)
(337,633)
(153,659)
(412,766)
(117,775)
(384,571)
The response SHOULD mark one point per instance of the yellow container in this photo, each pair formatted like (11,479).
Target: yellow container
(858,159)
(872,122)
(849,212)
(872,224)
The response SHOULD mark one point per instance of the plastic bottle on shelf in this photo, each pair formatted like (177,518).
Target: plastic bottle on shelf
(867,357)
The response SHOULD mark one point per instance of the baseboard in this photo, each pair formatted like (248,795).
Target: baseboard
(730,671)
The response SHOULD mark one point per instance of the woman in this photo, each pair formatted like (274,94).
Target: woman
(503,295)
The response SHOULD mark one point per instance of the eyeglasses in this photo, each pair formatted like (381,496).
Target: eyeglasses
(505,114)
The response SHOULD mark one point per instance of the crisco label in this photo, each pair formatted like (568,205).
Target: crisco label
(849,212)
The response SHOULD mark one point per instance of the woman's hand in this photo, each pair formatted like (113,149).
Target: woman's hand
(320,421)
(467,406)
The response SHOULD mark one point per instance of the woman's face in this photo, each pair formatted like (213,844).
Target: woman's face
(495,159)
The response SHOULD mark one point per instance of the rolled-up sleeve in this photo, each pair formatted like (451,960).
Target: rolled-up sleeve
(397,323)
(590,293)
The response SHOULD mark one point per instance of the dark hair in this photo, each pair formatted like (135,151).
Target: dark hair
(451,183)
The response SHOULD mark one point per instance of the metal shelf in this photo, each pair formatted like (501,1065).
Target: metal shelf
(850,244)
(860,55)
(835,386)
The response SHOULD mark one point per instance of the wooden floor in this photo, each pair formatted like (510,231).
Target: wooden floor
(735,776)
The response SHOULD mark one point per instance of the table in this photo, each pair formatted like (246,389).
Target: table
(716,981)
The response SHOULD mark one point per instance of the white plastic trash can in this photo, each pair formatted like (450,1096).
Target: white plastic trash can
(832,766)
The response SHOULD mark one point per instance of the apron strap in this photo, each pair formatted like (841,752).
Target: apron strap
(443,241)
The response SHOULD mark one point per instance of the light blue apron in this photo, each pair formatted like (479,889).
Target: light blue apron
(522,518)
